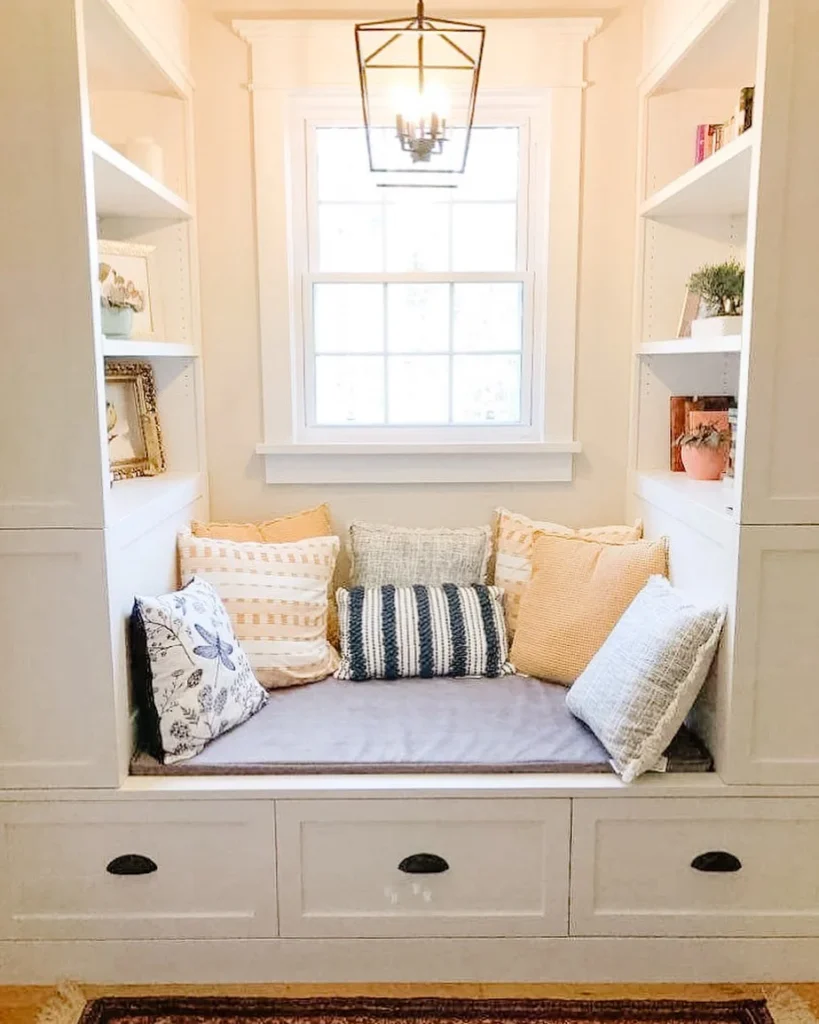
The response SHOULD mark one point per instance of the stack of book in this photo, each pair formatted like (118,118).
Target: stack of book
(712,137)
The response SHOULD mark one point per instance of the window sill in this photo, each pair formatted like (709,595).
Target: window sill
(419,463)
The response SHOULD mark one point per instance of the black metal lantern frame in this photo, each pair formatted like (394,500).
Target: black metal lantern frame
(376,43)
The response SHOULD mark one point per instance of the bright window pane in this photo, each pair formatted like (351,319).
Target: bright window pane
(417,232)
(418,317)
(343,167)
(348,317)
(484,236)
(349,238)
(349,390)
(488,317)
(492,170)
(486,389)
(417,389)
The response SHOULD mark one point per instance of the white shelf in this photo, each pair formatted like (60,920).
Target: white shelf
(717,50)
(721,184)
(135,506)
(692,347)
(130,348)
(701,504)
(119,57)
(124,190)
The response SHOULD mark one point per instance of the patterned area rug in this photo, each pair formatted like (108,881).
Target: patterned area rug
(237,1010)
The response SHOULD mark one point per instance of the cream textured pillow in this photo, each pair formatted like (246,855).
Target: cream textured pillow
(276,597)
(515,538)
(312,522)
(578,591)
(403,556)
(641,684)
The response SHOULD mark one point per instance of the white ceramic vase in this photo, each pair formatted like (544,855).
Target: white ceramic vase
(117,321)
(716,326)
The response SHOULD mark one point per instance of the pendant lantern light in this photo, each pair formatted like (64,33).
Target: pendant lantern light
(428,68)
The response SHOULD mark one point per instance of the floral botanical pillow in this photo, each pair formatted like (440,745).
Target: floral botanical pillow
(193,680)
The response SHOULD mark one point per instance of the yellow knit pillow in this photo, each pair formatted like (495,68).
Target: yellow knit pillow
(515,537)
(312,522)
(578,591)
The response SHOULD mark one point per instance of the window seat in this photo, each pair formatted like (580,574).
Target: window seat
(512,724)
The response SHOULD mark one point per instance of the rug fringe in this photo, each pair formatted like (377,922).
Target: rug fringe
(65,1007)
(786,1006)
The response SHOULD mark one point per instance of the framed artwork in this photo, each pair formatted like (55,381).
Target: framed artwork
(134,438)
(137,263)
(690,309)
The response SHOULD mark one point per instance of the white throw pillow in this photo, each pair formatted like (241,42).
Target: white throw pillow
(637,690)
(192,679)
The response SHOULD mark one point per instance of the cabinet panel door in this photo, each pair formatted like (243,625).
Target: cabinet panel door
(677,867)
(772,714)
(61,718)
(139,870)
(488,867)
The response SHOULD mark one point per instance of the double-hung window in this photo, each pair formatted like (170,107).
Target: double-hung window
(420,311)
(401,326)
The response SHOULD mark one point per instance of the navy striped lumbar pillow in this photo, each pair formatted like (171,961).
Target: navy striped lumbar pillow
(398,632)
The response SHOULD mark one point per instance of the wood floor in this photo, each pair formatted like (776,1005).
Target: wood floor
(20,1005)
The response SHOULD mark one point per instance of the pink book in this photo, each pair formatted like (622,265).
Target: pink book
(702,135)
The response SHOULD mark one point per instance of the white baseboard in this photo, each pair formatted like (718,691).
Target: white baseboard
(215,961)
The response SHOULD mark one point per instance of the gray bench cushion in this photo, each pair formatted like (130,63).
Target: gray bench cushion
(412,725)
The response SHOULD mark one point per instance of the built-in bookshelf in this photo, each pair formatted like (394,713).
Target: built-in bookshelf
(98,114)
(689,214)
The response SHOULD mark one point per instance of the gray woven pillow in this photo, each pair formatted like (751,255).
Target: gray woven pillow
(637,690)
(403,556)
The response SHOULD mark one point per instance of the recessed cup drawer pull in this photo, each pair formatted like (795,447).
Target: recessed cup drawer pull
(717,862)
(423,864)
(131,864)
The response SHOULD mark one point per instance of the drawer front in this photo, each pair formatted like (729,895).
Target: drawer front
(658,867)
(214,871)
(496,867)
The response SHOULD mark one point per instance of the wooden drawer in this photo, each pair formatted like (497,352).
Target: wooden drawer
(214,877)
(633,873)
(507,867)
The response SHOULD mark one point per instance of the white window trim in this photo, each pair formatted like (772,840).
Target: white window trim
(292,456)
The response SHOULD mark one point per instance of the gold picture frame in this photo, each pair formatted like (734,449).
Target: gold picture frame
(135,445)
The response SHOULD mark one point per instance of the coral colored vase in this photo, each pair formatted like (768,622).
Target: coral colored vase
(704,463)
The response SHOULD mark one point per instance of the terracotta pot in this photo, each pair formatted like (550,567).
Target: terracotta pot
(704,463)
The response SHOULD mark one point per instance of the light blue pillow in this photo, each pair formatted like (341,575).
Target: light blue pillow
(638,689)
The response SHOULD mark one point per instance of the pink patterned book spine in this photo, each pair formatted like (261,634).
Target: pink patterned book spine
(702,135)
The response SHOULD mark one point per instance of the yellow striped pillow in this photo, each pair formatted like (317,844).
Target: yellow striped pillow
(276,597)
(515,537)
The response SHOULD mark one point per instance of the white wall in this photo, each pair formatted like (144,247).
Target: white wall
(229,300)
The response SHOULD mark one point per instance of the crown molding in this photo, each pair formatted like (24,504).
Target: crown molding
(254,30)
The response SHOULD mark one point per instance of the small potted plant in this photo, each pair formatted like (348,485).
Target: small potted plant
(120,300)
(720,287)
(704,451)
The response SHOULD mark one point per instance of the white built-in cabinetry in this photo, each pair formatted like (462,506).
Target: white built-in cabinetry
(709,877)
(80,80)
(757,547)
